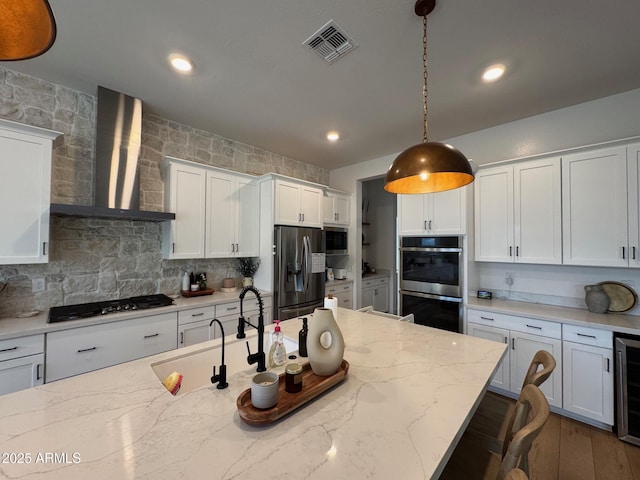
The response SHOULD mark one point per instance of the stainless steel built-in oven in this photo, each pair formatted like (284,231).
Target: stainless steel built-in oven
(431,272)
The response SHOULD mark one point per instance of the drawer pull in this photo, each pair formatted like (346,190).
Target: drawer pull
(488,318)
(534,326)
(8,349)
(152,335)
(346,287)
(197,314)
(87,349)
(231,308)
(585,335)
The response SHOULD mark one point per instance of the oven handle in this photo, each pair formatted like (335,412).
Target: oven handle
(430,249)
(431,296)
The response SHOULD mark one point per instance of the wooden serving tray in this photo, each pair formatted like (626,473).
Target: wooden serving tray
(312,386)
(197,293)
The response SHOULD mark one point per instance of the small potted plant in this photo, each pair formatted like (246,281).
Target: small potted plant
(247,267)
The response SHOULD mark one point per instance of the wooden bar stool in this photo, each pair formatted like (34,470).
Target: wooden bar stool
(516,474)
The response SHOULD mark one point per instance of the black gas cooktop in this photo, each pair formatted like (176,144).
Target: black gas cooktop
(85,310)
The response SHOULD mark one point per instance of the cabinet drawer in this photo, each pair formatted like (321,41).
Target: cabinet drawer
(375,282)
(232,308)
(533,326)
(251,304)
(21,347)
(492,319)
(340,289)
(196,314)
(587,336)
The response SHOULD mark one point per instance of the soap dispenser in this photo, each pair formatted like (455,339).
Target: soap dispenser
(277,352)
(302,338)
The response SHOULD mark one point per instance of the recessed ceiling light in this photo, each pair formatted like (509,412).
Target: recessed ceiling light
(493,72)
(333,136)
(180,63)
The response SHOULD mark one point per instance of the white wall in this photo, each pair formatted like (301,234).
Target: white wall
(601,120)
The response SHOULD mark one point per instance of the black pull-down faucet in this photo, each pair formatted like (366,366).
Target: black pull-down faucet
(259,356)
(221,378)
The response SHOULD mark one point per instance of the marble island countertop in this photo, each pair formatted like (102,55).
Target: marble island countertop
(408,395)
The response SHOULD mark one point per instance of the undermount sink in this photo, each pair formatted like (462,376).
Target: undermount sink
(197,367)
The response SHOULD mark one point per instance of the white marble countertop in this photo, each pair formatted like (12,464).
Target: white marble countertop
(408,396)
(13,327)
(614,322)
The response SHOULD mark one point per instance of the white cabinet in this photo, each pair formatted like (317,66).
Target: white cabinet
(232,216)
(442,213)
(595,213)
(21,363)
(335,209)
(25,196)
(185,195)
(193,325)
(229,313)
(525,336)
(297,204)
(79,350)
(344,294)
(375,292)
(217,212)
(633,202)
(518,213)
(588,372)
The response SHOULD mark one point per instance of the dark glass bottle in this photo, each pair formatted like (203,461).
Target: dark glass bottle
(302,338)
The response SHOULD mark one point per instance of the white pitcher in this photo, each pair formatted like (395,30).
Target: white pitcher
(325,357)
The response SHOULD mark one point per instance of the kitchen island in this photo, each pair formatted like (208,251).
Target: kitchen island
(408,396)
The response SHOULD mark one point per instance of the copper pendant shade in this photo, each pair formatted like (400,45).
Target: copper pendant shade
(27,29)
(428,166)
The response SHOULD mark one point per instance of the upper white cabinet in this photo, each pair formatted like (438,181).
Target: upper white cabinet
(297,204)
(335,208)
(232,216)
(442,213)
(518,213)
(595,209)
(25,196)
(217,212)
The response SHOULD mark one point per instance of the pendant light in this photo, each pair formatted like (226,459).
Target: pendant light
(27,29)
(428,166)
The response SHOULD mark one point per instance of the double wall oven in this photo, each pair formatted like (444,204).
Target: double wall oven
(431,272)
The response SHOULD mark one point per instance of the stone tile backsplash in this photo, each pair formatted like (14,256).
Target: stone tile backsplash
(93,259)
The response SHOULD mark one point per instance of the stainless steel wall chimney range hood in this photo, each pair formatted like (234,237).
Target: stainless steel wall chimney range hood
(116,175)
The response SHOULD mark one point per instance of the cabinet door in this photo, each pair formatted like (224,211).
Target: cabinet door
(381,298)
(341,209)
(633,201)
(196,332)
(588,381)
(345,299)
(311,206)
(25,195)
(328,210)
(184,236)
(501,379)
(21,373)
(537,211)
(287,203)
(247,219)
(367,297)
(594,203)
(411,215)
(523,348)
(447,212)
(221,214)
(494,215)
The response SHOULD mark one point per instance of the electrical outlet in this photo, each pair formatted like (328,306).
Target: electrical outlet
(38,285)
(508,278)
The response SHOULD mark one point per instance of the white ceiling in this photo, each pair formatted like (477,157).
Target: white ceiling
(254,81)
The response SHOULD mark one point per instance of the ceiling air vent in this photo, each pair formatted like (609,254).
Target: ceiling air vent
(330,42)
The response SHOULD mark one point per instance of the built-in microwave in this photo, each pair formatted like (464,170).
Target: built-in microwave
(335,241)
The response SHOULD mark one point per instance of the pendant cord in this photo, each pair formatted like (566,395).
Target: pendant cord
(424,85)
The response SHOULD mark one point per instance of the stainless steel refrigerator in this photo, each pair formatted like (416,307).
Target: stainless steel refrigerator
(299,271)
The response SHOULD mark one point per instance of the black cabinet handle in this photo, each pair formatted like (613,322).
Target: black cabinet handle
(534,326)
(152,335)
(38,371)
(488,318)
(585,335)
(197,314)
(87,349)
(8,349)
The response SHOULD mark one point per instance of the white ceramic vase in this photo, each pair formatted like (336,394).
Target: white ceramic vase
(325,343)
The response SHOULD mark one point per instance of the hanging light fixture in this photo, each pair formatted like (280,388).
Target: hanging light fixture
(428,166)
(27,29)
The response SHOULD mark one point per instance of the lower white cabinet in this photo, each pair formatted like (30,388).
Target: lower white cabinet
(588,372)
(228,314)
(525,336)
(79,350)
(193,325)
(375,292)
(21,363)
(344,294)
